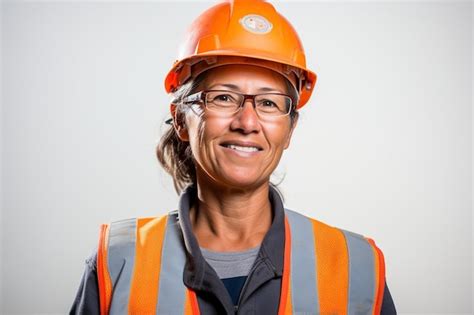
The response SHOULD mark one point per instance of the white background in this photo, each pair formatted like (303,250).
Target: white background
(384,148)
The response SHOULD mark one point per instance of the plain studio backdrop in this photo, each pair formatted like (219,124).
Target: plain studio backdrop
(384,147)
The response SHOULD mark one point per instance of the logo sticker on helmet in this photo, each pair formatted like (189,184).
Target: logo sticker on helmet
(256,24)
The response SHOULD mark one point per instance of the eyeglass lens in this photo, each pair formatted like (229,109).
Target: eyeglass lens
(265,104)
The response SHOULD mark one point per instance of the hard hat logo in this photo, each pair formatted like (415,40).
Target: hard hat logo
(256,24)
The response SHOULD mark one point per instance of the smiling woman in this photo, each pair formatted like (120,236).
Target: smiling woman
(175,154)
(236,141)
(232,247)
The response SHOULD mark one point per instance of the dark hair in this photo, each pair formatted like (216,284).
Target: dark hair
(175,155)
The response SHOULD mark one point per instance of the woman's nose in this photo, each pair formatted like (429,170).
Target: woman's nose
(246,119)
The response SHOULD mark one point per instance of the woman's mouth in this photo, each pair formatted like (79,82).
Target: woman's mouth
(241,148)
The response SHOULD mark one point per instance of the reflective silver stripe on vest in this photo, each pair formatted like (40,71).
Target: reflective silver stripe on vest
(361,274)
(172,291)
(120,259)
(303,278)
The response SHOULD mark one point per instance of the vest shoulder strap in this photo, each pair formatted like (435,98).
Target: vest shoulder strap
(133,277)
(347,267)
(116,259)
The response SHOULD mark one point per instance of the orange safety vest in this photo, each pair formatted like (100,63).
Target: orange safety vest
(140,266)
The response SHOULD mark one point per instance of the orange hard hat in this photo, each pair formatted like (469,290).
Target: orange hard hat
(243,32)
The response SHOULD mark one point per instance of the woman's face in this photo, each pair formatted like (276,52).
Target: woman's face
(238,150)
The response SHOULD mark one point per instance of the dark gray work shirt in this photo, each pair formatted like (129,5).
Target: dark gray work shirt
(260,292)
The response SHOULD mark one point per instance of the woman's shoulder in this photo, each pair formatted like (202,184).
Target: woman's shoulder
(140,221)
(121,235)
(301,221)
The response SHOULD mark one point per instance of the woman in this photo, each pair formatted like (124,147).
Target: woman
(232,247)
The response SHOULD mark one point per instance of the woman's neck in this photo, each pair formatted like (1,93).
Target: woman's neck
(228,219)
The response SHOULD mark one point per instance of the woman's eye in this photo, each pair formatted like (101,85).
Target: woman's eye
(268,103)
(223,98)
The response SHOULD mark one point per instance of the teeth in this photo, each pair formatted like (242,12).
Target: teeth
(243,149)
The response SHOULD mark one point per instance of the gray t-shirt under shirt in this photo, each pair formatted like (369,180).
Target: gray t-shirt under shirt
(232,268)
(231,264)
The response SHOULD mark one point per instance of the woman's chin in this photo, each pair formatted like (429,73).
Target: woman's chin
(243,177)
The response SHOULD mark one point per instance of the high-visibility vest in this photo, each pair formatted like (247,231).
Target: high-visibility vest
(140,265)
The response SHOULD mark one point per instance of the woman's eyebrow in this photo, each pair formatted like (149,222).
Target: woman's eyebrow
(268,89)
(227,85)
(236,87)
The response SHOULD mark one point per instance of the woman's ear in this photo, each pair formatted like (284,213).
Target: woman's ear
(179,123)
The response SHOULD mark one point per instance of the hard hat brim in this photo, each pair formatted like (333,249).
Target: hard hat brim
(172,80)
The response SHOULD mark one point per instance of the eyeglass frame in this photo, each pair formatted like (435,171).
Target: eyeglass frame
(201,97)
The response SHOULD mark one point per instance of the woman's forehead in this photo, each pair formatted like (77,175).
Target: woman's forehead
(244,77)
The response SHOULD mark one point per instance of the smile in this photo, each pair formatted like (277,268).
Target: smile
(241,148)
